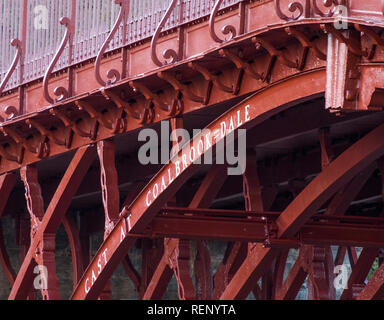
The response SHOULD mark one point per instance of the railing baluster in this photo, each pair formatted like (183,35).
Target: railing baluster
(10,62)
(61,92)
(113,75)
(94,20)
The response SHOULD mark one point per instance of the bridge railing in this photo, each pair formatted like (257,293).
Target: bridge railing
(10,13)
(36,24)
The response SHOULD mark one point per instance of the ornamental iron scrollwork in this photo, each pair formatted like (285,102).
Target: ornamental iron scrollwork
(293,7)
(307,10)
(112,74)
(170,55)
(11,113)
(14,43)
(327,4)
(227,29)
(60,92)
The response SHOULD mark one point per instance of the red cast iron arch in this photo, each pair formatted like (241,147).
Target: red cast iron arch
(272,40)
(254,110)
(340,172)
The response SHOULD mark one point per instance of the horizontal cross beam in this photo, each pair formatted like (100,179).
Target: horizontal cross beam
(253,230)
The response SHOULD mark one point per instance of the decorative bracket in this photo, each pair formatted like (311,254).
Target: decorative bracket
(169,53)
(306,43)
(113,75)
(376,39)
(274,55)
(94,114)
(48,133)
(273,52)
(41,150)
(209,76)
(15,43)
(352,45)
(146,117)
(241,64)
(228,29)
(60,92)
(176,108)
(18,157)
(73,125)
(184,89)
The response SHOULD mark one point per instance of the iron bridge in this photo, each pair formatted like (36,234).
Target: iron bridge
(79,82)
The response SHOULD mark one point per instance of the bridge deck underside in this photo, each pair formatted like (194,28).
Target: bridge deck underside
(288,157)
(309,98)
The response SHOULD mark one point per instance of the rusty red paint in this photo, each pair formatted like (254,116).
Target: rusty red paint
(15,43)
(164,184)
(205,70)
(169,53)
(359,156)
(228,29)
(298,9)
(52,218)
(60,92)
(113,75)
(137,28)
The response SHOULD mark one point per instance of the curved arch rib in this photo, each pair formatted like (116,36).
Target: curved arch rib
(76,250)
(342,170)
(53,217)
(7,183)
(252,111)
